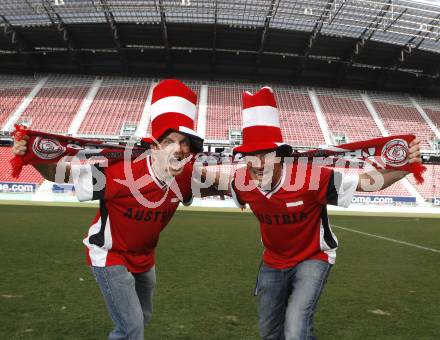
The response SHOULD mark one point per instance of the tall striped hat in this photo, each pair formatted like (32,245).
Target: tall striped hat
(173,108)
(261,123)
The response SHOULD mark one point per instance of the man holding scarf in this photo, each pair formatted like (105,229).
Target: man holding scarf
(289,198)
(138,198)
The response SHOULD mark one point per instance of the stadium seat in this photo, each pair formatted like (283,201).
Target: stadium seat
(28,174)
(56,104)
(298,119)
(399,116)
(117,102)
(431,187)
(224,111)
(432,109)
(10,99)
(347,114)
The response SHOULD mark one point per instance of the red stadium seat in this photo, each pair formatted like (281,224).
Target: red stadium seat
(399,116)
(347,114)
(10,99)
(431,187)
(224,111)
(298,119)
(28,174)
(114,105)
(57,103)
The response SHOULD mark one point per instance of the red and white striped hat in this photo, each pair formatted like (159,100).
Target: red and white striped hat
(173,108)
(261,123)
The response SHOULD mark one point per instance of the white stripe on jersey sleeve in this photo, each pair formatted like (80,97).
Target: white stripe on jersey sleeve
(83,181)
(345,185)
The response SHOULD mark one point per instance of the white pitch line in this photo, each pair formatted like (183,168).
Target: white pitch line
(387,239)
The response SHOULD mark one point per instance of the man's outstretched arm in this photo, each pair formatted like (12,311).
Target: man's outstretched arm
(211,181)
(367,180)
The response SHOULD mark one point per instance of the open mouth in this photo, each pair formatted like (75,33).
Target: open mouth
(176,163)
(259,172)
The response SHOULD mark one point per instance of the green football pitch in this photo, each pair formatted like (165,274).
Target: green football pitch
(385,284)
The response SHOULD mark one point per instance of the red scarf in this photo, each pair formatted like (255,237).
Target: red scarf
(382,153)
(389,153)
(45,148)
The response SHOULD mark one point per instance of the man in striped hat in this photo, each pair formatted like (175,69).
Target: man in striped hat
(289,199)
(137,200)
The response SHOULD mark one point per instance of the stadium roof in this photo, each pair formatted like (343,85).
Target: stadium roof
(375,42)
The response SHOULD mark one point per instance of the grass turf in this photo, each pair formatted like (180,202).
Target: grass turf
(206,265)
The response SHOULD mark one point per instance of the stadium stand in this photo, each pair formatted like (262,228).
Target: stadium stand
(121,100)
(13,89)
(347,114)
(196,87)
(9,100)
(431,187)
(432,109)
(400,116)
(56,104)
(298,119)
(118,101)
(224,111)
(28,174)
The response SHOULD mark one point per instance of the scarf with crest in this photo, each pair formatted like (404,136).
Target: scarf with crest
(389,153)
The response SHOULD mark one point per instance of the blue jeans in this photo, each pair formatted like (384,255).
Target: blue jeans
(287,299)
(129,299)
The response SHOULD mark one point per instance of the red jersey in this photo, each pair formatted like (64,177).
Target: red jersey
(126,228)
(293,220)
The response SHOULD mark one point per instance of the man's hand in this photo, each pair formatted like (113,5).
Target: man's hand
(414,151)
(48,171)
(20,147)
(367,182)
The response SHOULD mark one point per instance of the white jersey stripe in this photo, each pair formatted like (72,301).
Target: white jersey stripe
(331,253)
(345,185)
(98,255)
(294,204)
